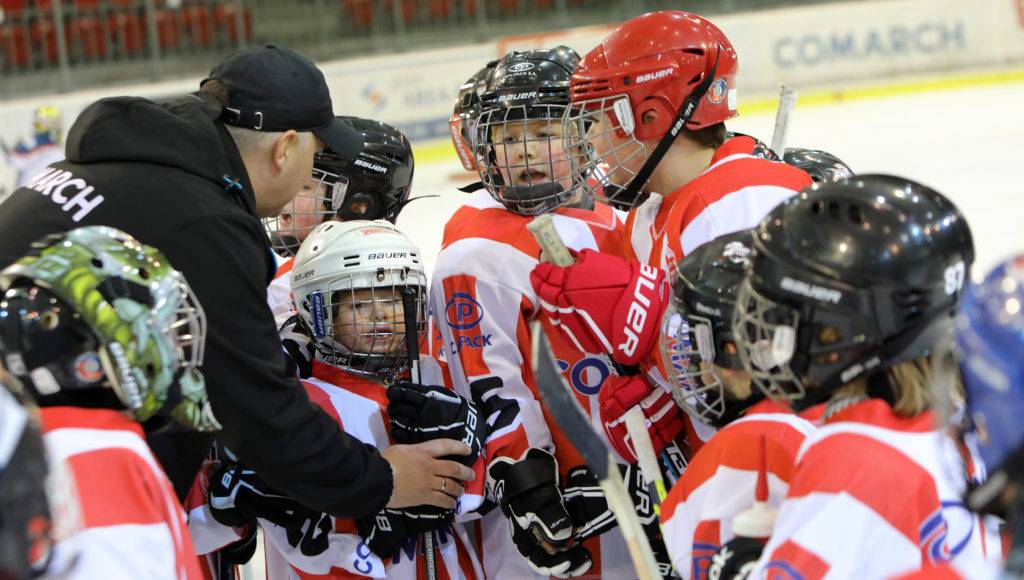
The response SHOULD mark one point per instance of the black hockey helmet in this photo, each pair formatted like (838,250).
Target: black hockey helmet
(375,184)
(26,539)
(761,149)
(697,327)
(523,166)
(822,166)
(379,178)
(846,279)
(464,113)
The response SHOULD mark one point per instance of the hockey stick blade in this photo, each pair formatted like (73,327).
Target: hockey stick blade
(575,423)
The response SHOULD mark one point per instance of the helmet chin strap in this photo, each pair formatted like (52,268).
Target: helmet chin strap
(686,111)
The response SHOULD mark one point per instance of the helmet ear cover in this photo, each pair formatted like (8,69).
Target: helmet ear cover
(661,106)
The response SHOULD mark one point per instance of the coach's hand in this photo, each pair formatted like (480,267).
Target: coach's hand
(421,478)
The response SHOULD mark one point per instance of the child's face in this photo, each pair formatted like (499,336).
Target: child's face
(530,153)
(736,382)
(623,156)
(370,321)
(306,211)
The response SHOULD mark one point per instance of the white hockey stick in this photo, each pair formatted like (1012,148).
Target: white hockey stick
(636,425)
(543,229)
(787,102)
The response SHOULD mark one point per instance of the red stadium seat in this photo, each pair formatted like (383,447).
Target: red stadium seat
(167,29)
(360,12)
(13,9)
(44,40)
(408,10)
(126,31)
(224,20)
(13,46)
(85,36)
(198,25)
(438,9)
(85,6)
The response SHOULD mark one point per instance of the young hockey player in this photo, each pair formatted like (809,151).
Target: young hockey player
(105,334)
(701,363)
(29,158)
(650,104)
(373,185)
(484,304)
(990,346)
(850,300)
(348,281)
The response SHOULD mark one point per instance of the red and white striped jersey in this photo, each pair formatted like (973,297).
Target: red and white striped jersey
(330,547)
(874,496)
(130,524)
(720,482)
(734,193)
(483,304)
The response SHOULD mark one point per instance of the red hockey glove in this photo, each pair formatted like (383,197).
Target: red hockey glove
(620,394)
(604,304)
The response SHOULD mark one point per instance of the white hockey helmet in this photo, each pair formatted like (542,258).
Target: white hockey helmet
(347,283)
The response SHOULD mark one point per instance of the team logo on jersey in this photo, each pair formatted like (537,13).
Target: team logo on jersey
(464,341)
(586,375)
(463,312)
(717,92)
(946,532)
(87,368)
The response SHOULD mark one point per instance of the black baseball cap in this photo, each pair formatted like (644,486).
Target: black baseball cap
(273,88)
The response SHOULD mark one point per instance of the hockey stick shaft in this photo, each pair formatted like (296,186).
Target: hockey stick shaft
(543,230)
(787,102)
(636,425)
(412,350)
(575,423)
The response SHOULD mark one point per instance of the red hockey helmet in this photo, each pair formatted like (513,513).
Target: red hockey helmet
(672,63)
(657,59)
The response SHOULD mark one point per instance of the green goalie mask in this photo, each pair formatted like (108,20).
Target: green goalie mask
(94,318)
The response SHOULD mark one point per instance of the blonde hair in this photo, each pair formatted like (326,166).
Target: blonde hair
(918,384)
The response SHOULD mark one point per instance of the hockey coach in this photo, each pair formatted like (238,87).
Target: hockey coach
(192,177)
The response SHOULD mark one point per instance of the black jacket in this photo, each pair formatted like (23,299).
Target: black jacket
(170,175)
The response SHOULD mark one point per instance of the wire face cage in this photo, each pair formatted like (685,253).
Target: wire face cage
(317,201)
(520,156)
(359,322)
(601,146)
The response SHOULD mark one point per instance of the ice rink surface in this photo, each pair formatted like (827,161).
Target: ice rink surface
(968,143)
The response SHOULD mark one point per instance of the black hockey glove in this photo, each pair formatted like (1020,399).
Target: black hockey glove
(586,503)
(735,559)
(591,515)
(387,530)
(539,522)
(237,496)
(422,413)
(237,553)
(297,346)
